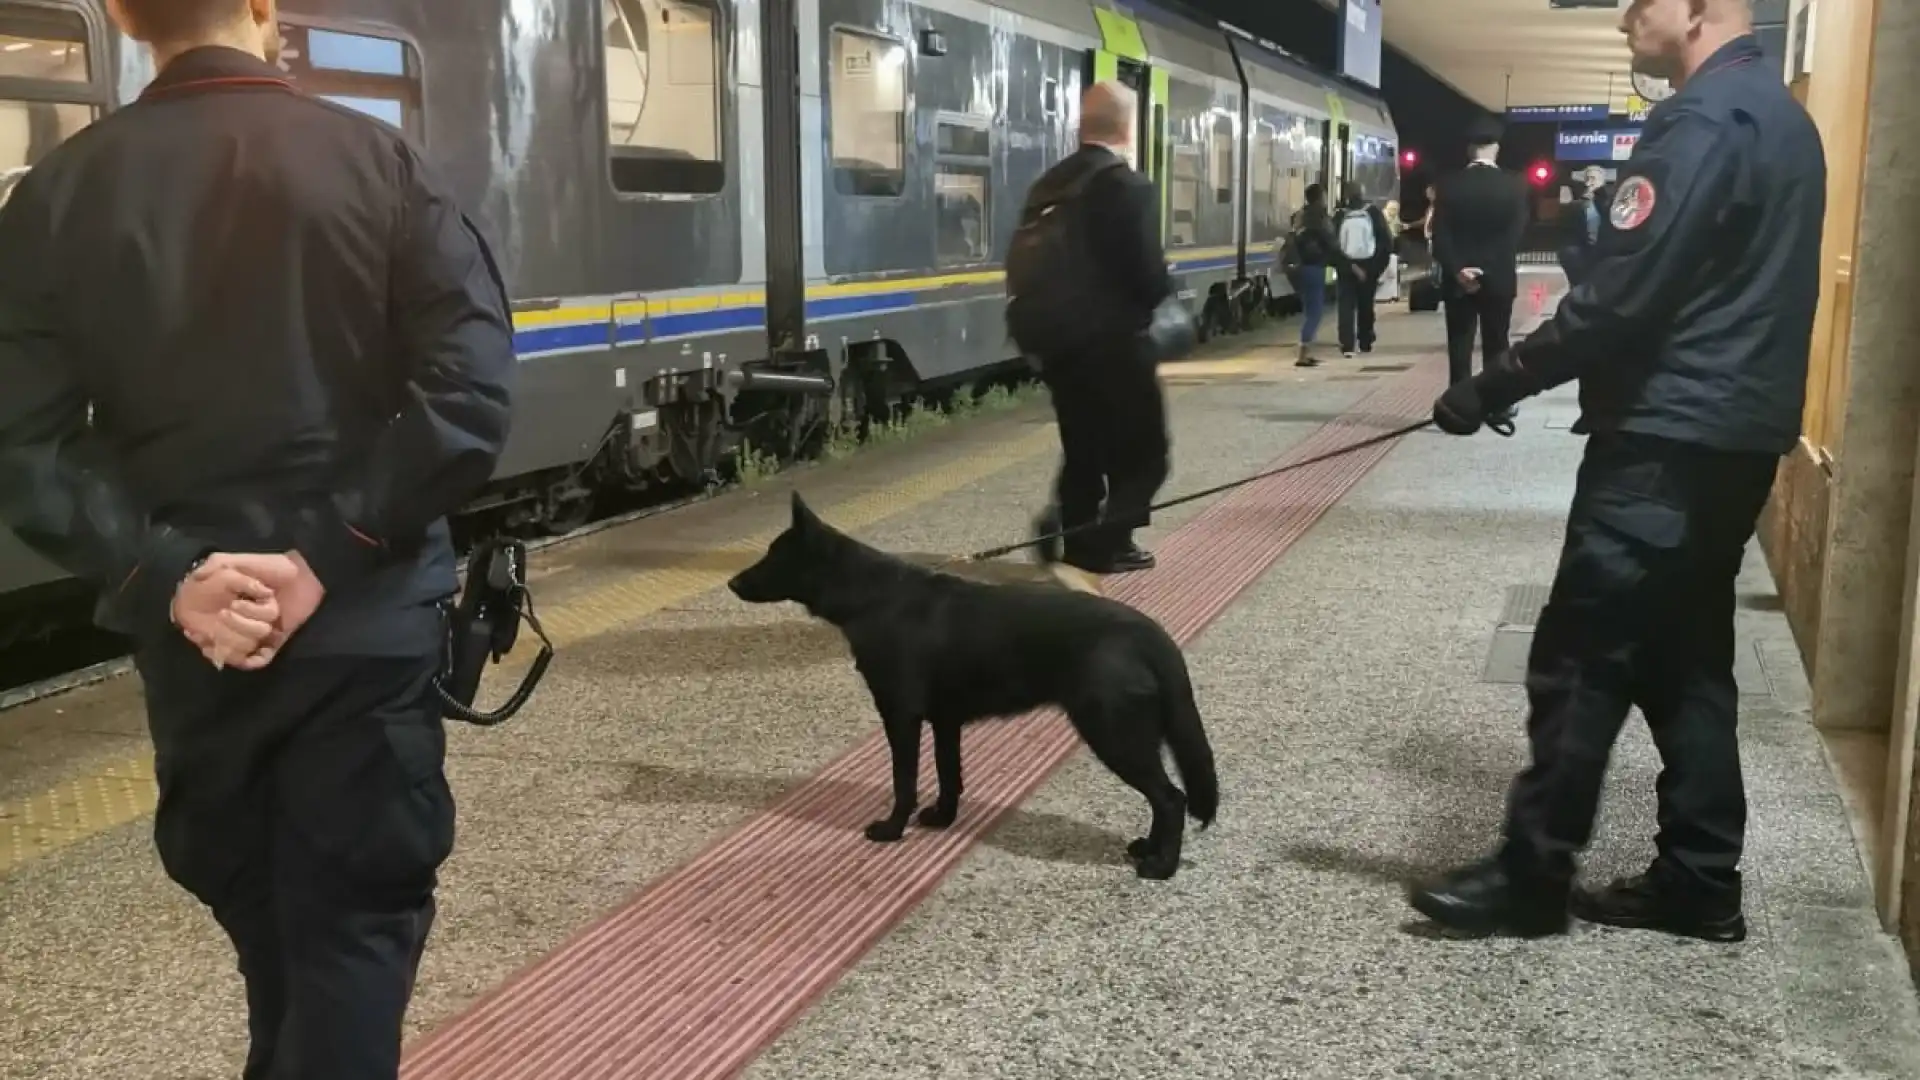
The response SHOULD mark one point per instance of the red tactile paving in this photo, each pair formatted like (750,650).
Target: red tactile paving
(702,970)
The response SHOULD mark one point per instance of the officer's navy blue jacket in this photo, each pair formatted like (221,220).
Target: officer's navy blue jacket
(1697,315)
(286,334)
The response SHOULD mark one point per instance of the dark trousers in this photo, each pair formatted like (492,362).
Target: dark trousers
(1641,613)
(307,807)
(1114,446)
(1573,262)
(1491,314)
(1356,313)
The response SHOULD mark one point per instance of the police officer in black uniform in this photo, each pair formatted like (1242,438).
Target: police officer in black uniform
(296,353)
(1689,342)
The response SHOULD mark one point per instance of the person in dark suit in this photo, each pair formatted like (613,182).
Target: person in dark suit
(1107,399)
(1480,215)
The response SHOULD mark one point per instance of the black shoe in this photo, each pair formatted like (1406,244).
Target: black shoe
(1126,561)
(1486,898)
(1642,903)
(1048,548)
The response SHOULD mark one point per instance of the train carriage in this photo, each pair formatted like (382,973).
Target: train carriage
(751,218)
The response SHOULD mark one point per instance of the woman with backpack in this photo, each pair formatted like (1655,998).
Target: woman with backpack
(1310,248)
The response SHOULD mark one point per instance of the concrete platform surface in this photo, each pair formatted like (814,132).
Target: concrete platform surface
(1359,745)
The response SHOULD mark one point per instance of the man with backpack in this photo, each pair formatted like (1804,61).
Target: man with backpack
(1086,278)
(1367,242)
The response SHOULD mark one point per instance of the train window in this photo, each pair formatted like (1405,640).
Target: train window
(1223,140)
(664,95)
(965,140)
(1184,200)
(960,193)
(368,73)
(868,117)
(962,181)
(1261,170)
(46,87)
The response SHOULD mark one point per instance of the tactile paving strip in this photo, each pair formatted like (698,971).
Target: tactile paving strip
(701,971)
(76,809)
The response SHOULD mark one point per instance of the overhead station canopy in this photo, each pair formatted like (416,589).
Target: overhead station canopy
(1503,53)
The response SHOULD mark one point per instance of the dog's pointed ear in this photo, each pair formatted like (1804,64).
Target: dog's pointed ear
(803,515)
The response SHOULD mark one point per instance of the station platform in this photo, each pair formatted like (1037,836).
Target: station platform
(660,873)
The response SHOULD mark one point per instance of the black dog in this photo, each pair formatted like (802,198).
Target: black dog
(936,648)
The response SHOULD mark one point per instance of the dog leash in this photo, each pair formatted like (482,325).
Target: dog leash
(1503,428)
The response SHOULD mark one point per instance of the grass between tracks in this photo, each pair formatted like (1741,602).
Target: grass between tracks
(753,465)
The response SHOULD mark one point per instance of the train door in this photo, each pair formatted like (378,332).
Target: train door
(1336,157)
(1150,123)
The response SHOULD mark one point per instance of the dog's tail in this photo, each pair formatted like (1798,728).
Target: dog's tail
(1186,735)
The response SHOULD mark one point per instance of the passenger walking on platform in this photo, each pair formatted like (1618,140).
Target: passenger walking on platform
(1583,222)
(295,352)
(1311,246)
(1689,341)
(1366,239)
(1477,230)
(1106,388)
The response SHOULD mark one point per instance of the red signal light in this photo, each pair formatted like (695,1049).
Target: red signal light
(1542,174)
(1410,159)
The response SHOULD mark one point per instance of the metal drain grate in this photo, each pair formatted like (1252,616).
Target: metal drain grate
(1385,367)
(1524,605)
(1507,662)
(1507,659)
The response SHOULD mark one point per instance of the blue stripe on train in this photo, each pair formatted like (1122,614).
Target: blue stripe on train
(549,339)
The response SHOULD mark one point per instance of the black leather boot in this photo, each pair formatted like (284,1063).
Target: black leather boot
(1049,546)
(1648,902)
(1487,898)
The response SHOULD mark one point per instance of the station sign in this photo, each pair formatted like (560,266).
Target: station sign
(1557,114)
(1595,144)
(1361,41)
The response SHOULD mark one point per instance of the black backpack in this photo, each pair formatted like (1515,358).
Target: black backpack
(1055,298)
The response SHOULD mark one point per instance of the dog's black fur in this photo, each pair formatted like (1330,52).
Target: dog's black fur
(936,648)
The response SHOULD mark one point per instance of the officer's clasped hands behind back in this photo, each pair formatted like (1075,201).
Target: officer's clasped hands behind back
(239,608)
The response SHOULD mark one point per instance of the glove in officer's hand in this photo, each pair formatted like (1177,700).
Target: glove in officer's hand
(1464,408)
(1459,411)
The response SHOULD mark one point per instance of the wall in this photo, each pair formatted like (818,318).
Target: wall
(1824,542)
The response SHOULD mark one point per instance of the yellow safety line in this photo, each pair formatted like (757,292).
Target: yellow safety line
(122,792)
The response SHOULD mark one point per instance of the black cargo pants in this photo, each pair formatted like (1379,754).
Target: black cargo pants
(307,806)
(1641,613)
(1114,446)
